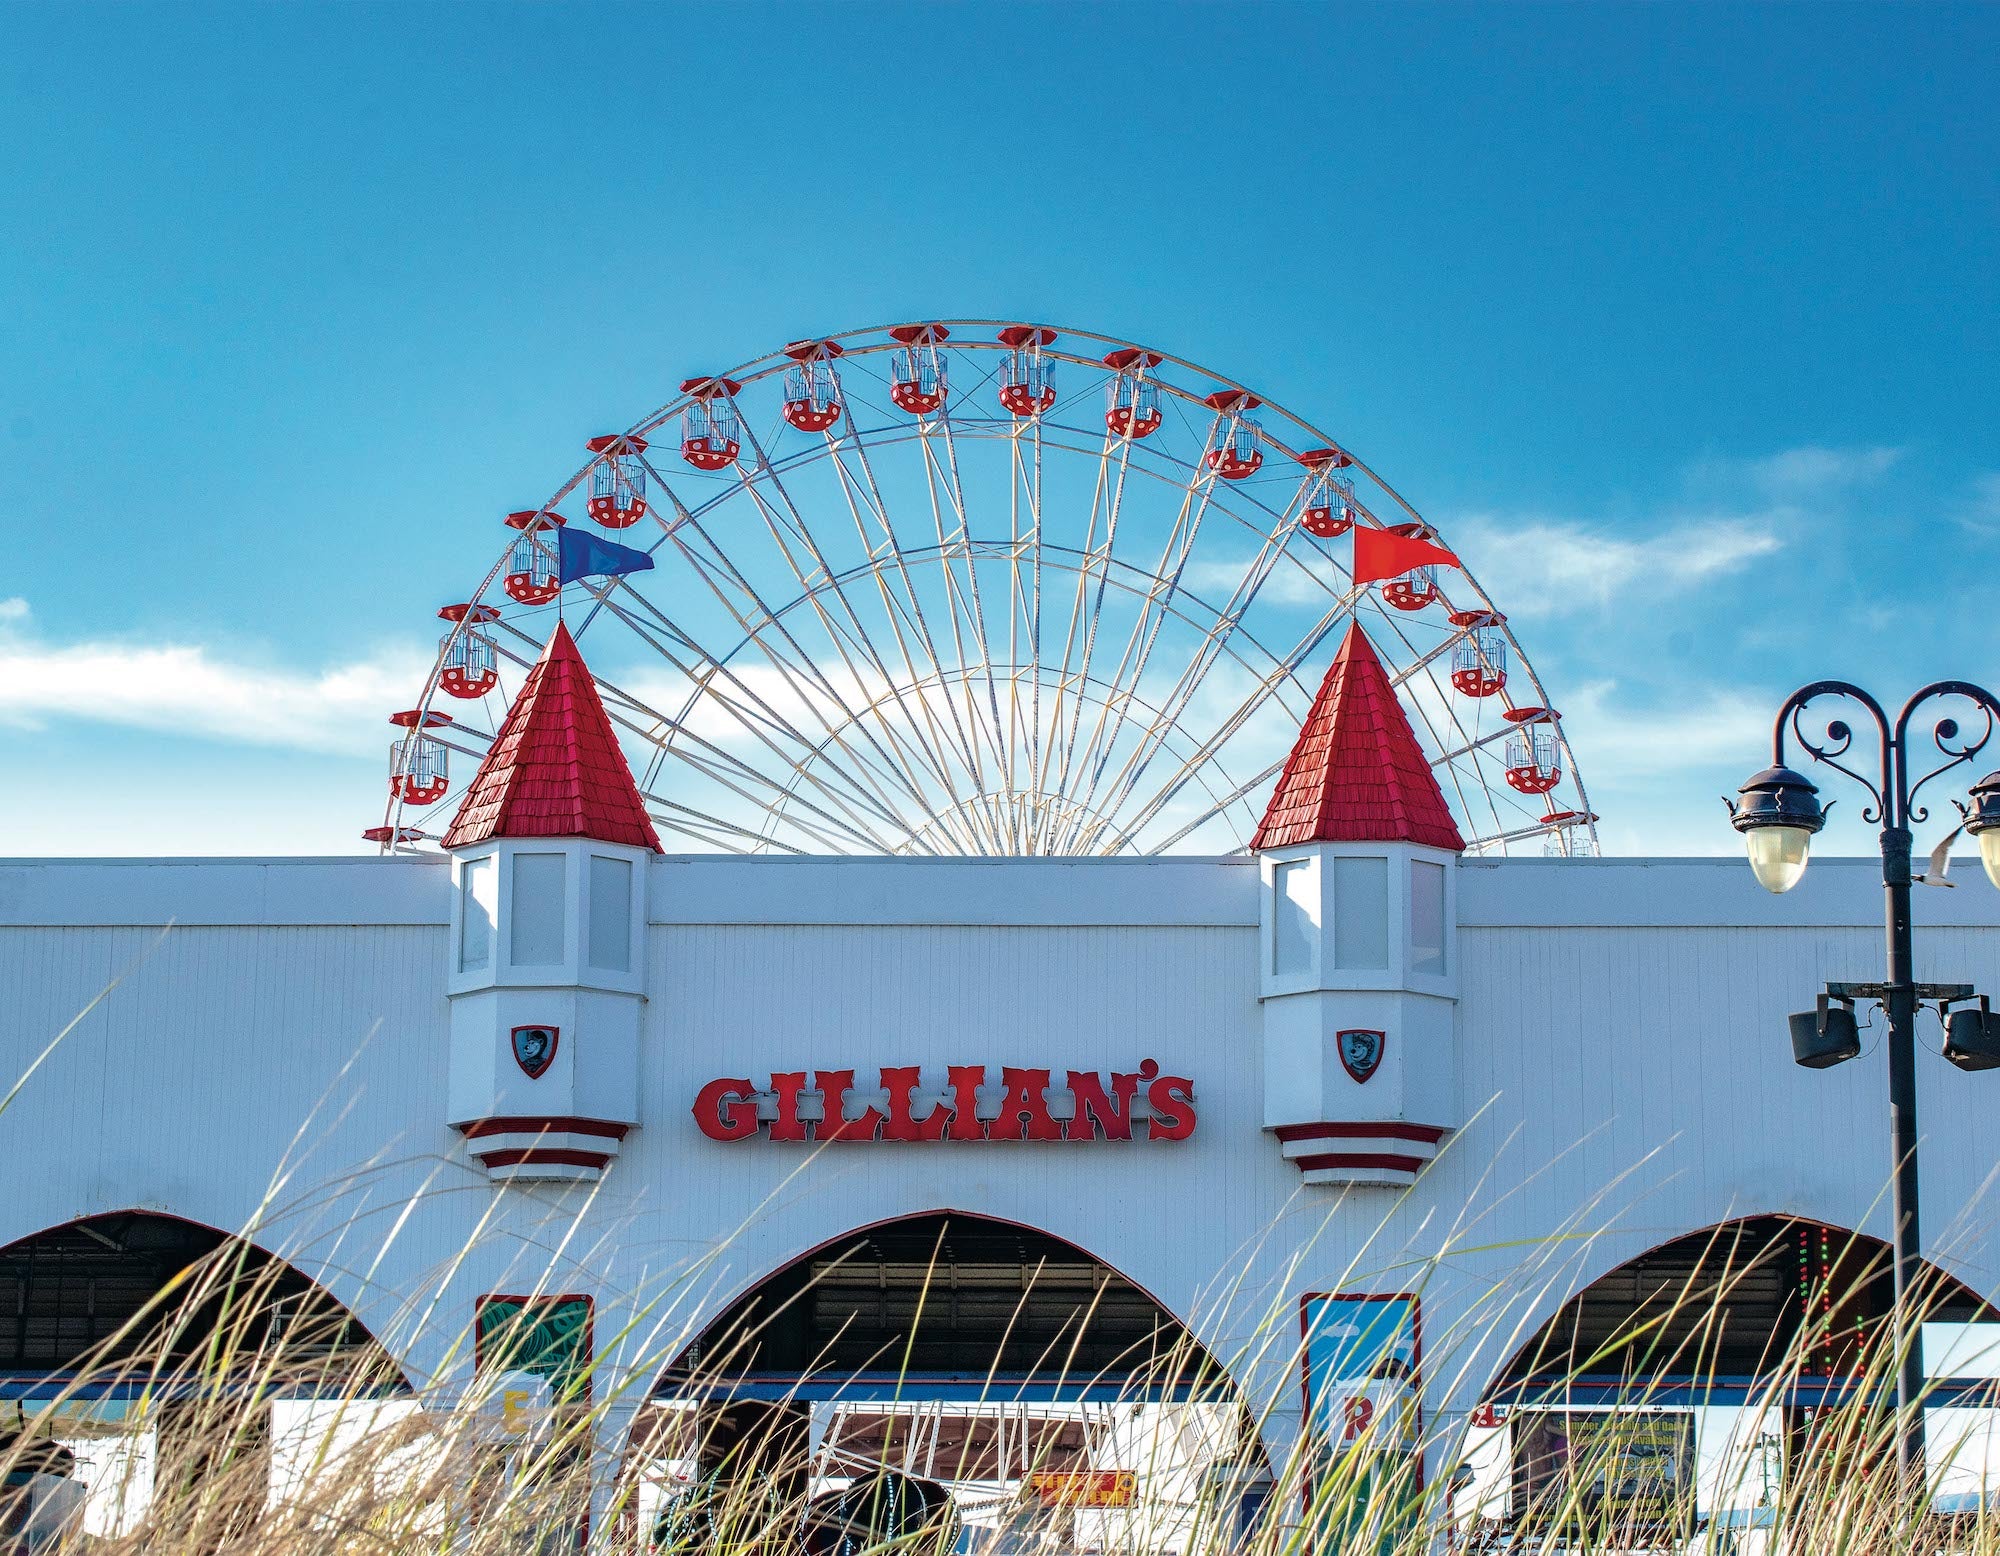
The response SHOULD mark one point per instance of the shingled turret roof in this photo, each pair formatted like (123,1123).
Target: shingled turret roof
(1357,774)
(555,769)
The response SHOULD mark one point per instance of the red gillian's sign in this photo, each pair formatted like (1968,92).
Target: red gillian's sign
(1026,1105)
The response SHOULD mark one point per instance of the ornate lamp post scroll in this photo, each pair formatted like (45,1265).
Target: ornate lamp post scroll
(1778,813)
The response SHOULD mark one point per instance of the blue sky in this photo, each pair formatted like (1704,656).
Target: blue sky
(1679,321)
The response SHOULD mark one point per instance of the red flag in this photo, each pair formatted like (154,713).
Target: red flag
(1382,553)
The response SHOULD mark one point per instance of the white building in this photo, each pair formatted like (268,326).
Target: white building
(1193,1093)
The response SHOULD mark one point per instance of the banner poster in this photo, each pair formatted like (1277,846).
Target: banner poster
(1605,1469)
(546,1336)
(1362,1356)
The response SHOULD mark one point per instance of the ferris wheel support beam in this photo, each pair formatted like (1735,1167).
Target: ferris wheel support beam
(1137,587)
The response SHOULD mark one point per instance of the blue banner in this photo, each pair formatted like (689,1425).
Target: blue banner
(584,555)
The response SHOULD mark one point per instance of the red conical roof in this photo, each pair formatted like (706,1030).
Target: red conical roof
(555,769)
(1357,774)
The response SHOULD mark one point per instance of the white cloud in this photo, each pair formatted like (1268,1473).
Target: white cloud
(1979,511)
(1802,475)
(185,689)
(1716,727)
(1542,567)
(1722,517)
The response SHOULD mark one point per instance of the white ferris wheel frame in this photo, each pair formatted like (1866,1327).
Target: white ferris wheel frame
(880,802)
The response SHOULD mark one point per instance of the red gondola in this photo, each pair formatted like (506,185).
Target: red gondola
(618,483)
(1569,834)
(531,563)
(1329,510)
(917,377)
(711,431)
(471,663)
(417,766)
(395,837)
(1027,378)
(1534,754)
(1413,590)
(1132,400)
(1234,445)
(812,393)
(1479,659)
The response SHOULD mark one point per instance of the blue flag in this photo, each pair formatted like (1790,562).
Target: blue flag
(584,555)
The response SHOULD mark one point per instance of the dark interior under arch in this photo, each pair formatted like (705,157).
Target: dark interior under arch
(1744,1300)
(946,1294)
(95,1293)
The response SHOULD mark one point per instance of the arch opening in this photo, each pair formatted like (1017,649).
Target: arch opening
(159,1363)
(1702,1378)
(1028,1388)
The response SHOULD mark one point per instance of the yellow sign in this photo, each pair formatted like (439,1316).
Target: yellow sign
(1088,1488)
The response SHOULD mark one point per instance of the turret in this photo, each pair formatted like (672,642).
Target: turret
(549,854)
(1358,969)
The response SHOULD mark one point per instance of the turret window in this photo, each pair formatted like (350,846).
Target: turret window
(1361,915)
(535,937)
(476,878)
(610,913)
(1427,952)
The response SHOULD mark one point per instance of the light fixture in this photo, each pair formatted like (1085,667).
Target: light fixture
(1826,1035)
(1777,815)
(1972,1037)
(1982,821)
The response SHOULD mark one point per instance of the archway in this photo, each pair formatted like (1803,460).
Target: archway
(1686,1381)
(162,1355)
(1040,1388)
(135,1294)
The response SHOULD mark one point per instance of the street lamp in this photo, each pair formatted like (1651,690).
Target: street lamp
(1778,812)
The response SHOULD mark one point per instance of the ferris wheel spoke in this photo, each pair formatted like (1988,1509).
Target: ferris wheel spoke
(654,726)
(966,729)
(722,576)
(815,586)
(782,652)
(962,594)
(710,829)
(908,609)
(1082,620)
(955,485)
(1146,629)
(1268,686)
(1213,644)
(1099,559)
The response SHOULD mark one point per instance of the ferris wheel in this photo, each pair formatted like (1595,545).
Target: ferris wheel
(980,588)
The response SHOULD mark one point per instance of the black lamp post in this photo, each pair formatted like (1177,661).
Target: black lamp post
(1778,812)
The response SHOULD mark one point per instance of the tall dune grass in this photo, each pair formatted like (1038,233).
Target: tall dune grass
(373,1466)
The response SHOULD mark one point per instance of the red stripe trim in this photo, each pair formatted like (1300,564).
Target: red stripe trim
(1428,1134)
(1383,1160)
(551,1156)
(544,1126)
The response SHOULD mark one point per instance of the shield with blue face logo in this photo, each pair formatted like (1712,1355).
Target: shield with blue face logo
(535,1049)
(1360,1052)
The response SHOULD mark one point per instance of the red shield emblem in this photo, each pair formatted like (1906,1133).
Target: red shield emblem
(1360,1052)
(535,1049)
